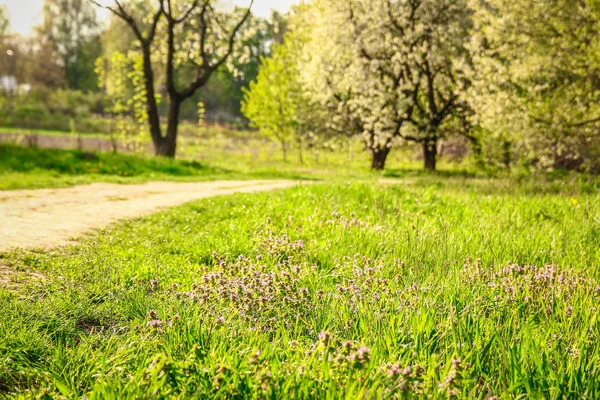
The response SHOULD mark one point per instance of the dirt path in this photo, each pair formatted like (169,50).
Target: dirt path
(48,218)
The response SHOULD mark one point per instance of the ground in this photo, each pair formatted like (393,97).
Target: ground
(432,285)
(49,218)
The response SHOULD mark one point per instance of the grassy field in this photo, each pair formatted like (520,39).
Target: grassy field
(437,287)
(214,153)
(29,168)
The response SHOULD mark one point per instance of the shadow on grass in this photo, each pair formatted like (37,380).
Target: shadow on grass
(420,173)
(72,162)
(46,165)
(522,182)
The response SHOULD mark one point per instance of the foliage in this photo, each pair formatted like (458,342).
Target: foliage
(276,103)
(404,291)
(123,82)
(537,79)
(415,75)
(70,30)
(42,108)
(4,21)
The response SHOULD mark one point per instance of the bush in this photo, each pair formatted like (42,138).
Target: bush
(75,103)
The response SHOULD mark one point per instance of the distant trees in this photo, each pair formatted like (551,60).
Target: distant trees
(223,94)
(517,85)
(4,21)
(393,70)
(7,59)
(194,36)
(71,31)
(522,87)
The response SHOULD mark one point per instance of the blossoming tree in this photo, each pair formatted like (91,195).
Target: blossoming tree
(401,63)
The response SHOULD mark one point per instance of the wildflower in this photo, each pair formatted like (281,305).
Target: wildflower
(155,323)
(363,354)
(220,320)
(347,347)
(324,337)
(394,370)
(255,357)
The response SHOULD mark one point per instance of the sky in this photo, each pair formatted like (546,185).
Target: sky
(27,13)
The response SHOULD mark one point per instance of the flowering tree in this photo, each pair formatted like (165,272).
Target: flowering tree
(536,85)
(195,35)
(400,65)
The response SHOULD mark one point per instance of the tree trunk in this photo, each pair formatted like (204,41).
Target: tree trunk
(284,150)
(379,157)
(168,145)
(300,155)
(506,156)
(152,107)
(430,154)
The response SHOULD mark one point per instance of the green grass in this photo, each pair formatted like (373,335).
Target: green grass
(325,291)
(221,152)
(27,168)
(27,131)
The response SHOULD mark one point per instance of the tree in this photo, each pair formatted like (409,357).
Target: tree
(399,64)
(276,102)
(536,79)
(4,21)
(444,61)
(71,30)
(224,93)
(209,42)
(7,61)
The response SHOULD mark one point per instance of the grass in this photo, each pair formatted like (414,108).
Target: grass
(28,168)
(49,132)
(473,288)
(219,151)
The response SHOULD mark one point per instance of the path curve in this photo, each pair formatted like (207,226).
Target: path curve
(47,218)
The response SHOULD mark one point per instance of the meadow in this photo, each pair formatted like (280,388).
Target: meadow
(429,285)
(414,208)
(31,159)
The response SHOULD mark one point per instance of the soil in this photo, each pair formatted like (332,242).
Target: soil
(47,218)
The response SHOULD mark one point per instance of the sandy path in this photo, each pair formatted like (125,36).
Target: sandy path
(48,218)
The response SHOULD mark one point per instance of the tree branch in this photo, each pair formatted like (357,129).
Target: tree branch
(128,18)
(232,37)
(206,69)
